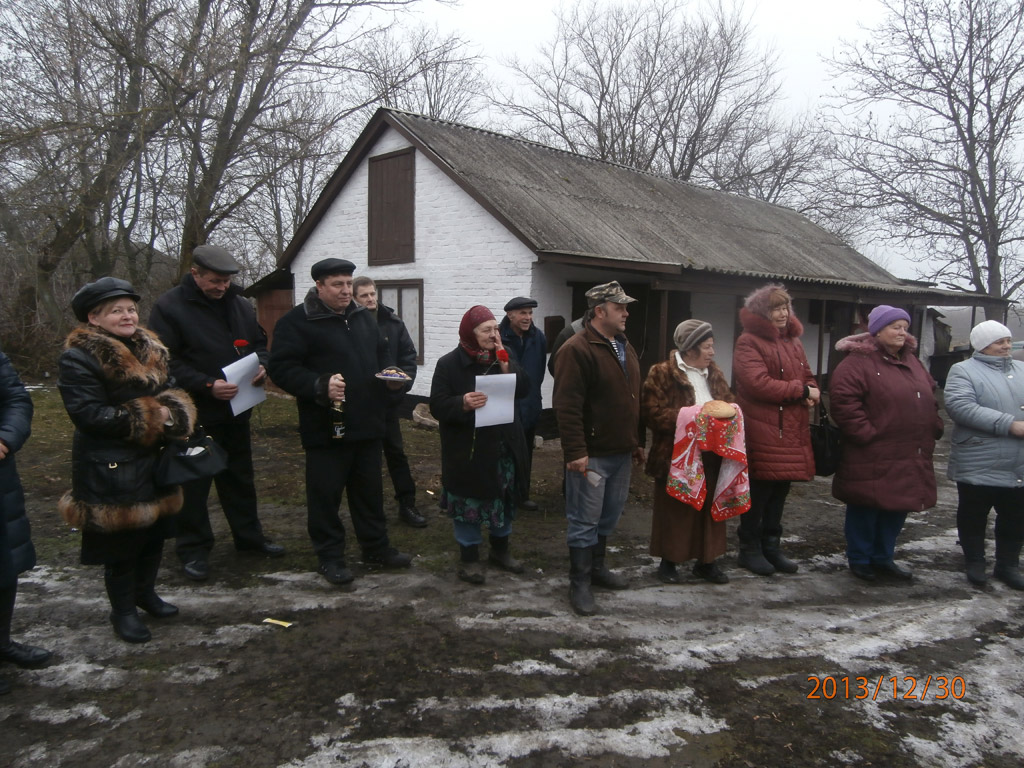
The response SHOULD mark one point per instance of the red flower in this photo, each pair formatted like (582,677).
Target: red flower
(502,355)
(240,344)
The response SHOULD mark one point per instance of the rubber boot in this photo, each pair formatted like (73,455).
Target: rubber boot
(600,576)
(471,570)
(771,548)
(581,562)
(499,555)
(1008,563)
(146,598)
(974,559)
(119,578)
(751,558)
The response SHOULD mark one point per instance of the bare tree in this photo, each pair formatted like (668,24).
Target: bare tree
(929,137)
(421,71)
(688,96)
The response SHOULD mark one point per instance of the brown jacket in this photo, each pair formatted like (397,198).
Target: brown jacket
(597,404)
(665,391)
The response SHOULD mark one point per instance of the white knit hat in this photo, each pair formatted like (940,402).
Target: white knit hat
(986,332)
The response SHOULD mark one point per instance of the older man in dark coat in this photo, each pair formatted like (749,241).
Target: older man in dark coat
(207,324)
(327,353)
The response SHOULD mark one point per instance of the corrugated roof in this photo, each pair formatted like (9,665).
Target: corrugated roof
(565,203)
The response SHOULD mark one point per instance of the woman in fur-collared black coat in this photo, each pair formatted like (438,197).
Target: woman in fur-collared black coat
(117,390)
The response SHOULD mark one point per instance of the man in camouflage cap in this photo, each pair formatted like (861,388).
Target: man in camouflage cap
(597,404)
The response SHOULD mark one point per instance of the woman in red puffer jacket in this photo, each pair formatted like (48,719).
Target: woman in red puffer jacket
(775,388)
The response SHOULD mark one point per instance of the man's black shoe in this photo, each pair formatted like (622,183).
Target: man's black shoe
(197,570)
(336,573)
(25,656)
(412,517)
(862,571)
(388,558)
(267,548)
(893,571)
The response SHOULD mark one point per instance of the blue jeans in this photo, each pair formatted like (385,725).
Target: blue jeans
(470,535)
(594,502)
(871,534)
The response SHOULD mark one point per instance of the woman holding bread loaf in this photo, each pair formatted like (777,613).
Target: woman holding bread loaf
(775,388)
(688,377)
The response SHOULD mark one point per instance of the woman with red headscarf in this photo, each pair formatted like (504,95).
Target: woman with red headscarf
(482,469)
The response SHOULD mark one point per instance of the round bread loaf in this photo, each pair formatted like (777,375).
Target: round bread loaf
(718,409)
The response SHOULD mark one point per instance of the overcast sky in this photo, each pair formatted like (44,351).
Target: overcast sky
(800,30)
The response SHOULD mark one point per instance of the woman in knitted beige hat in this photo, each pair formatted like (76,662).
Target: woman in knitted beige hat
(688,377)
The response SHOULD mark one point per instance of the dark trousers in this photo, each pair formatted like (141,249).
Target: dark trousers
(975,503)
(871,534)
(398,464)
(355,468)
(236,490)
(764,518)
(530,435)
(7,597)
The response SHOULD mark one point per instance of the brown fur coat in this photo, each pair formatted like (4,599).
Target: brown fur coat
(113,390)
(665,391)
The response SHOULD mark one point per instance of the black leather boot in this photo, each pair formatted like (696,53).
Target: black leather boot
(19,654)
(146,598)
(974,559)
(600,576)
(771,548)
(499,555)
(471,570)
(581,598)
(1008,563)
(751,558)
(119,578)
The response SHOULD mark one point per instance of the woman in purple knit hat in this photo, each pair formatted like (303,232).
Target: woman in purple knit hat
(884,403)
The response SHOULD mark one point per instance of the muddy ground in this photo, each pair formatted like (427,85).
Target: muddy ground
(418,669)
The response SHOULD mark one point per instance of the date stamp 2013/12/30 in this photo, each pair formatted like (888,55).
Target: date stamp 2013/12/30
(908,687)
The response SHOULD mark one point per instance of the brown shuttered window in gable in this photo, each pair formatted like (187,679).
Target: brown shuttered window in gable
(392,210)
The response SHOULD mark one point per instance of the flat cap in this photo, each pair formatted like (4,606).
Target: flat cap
(520,302)
(327,267)
(612,292)
(216,259)
(91,294)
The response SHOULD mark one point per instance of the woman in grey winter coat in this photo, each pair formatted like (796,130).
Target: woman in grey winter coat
(16,551)
(985,399)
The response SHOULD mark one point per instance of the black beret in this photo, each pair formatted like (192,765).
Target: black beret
(327,267)
(520,302)
(215,258)
(91,294)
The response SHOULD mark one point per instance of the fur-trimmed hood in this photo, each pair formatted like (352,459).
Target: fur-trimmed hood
(140,360)
(866,344)
(763,327)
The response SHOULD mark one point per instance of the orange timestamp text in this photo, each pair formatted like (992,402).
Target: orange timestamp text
(907,687)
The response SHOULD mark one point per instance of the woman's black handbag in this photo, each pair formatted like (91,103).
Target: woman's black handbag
(826,444)
(184,460)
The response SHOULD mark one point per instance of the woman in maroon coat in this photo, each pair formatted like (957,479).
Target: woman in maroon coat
(883,400)
(688,377)
(775,387)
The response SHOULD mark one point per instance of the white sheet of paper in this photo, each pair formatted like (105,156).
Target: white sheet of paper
(501,392)
(242,372)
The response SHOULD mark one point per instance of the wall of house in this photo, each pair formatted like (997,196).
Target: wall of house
(463,255)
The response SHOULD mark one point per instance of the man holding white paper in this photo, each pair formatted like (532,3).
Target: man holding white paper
(207,325)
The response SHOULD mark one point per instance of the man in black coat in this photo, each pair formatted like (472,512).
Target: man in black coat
(327,353)
(403,354)
(206,324)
